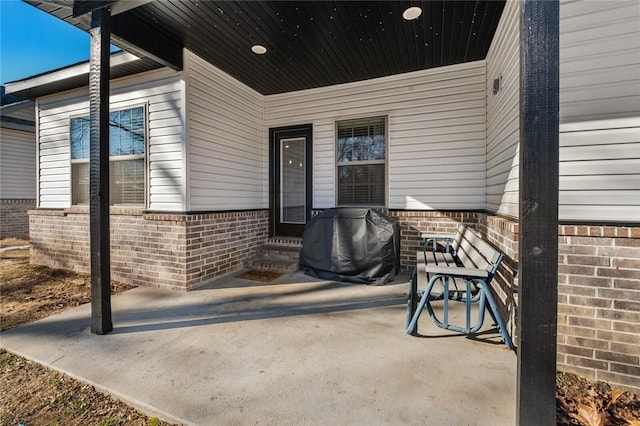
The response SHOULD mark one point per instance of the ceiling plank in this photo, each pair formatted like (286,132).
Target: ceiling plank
(146,39)
(309,43)
(81,7)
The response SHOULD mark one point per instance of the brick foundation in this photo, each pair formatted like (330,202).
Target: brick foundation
(599,268)
(173,251)
(599,303)
(14,220)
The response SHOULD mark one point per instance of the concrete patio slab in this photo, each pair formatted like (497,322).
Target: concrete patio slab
(295,351)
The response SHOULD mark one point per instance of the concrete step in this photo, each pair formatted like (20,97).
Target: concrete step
(274,265)
(279,254)
(285,241)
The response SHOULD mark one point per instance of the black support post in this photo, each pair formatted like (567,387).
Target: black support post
(99,172)
(538,268)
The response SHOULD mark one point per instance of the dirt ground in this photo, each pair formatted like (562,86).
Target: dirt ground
(31,292)
(35,395)
(31,394)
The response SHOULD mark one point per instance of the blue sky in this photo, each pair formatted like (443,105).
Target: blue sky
(32,42)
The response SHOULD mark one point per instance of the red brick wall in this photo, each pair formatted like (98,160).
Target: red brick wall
(166,250)
(220,243)
(14,220)
(599,303)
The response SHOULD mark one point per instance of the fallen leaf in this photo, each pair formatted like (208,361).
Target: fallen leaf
(589,416)
(615,394)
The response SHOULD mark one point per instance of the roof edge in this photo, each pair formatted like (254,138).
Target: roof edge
(48,82)
(16,106)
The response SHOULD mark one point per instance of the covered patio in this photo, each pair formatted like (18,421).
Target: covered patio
(416,375)
(293,351)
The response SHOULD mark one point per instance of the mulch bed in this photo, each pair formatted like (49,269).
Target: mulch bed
(581,402)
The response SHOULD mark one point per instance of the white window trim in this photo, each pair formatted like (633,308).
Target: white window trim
(145,156)
(366,162)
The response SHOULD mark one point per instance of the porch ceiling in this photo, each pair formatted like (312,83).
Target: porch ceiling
(313,43)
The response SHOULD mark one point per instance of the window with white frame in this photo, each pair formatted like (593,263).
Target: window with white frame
(126,158)
(361,162)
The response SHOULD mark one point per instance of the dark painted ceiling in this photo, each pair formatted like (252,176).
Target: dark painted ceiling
(317,43)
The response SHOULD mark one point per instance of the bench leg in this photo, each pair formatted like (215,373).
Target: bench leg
(412,328)
(445,301)
(495,314)
(412,303)
(414,309)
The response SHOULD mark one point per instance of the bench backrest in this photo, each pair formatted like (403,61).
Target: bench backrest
(457,239)
(474,252)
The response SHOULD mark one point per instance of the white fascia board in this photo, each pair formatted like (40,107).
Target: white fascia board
(118,58)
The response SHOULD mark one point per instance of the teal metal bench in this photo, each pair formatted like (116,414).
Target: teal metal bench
(456,268)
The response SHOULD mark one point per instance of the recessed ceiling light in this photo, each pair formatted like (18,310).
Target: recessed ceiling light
(412,13)
(258,49)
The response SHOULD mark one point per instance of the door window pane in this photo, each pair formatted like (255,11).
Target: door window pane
(292,181)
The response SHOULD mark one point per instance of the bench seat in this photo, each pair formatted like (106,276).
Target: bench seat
(458,268)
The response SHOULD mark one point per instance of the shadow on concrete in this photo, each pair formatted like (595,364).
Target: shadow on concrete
(229,302)
(273,312)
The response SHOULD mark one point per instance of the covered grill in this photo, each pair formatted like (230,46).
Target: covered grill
(356,245)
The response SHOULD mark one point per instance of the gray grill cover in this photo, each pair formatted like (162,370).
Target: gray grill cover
(353,245)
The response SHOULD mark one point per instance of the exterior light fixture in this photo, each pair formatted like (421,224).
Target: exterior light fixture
(496,85)
(258,49)
(411,13)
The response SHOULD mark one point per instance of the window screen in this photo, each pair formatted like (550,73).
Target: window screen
(361,162)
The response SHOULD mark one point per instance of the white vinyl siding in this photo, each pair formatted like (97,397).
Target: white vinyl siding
(17,164)
(26,114)
(599,60)
(436,129)
(161,91)
(600,110)
(225,134)
(503,114)
(600,171)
